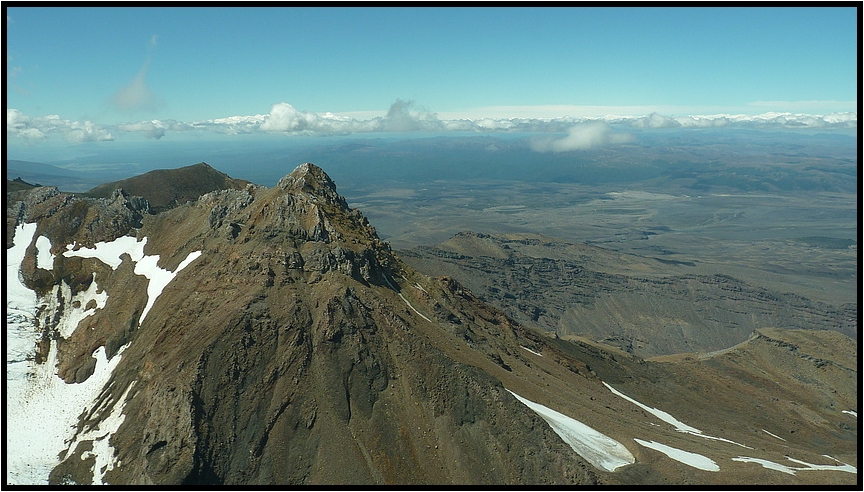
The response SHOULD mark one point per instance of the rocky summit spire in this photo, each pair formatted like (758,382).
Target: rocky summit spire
(310,179)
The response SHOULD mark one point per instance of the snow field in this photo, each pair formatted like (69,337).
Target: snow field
(43,398)
(111,254)
(692,459)
(21,305)
(19,297)
(598,449)
(102,449)
(40,406)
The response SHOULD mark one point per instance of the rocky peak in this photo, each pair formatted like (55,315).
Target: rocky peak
(311,180)
(302,221)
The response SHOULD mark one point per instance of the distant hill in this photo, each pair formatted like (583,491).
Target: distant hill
(48,175)
(19,184)
(167,188)
(15,167)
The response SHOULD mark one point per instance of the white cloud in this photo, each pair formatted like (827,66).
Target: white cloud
(654,120)
(829,106)
(401,118)
(154,129)
(38,128)
(564,133)
(581,137)
(16,120)
(764,120)
(284,118)
(86,131)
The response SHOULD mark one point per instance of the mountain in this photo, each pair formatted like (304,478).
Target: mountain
(643,305)
(166,188)
(19,184)
(37,172)
(268,336)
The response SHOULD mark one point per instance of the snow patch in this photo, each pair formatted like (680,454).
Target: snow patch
(75,308)
(41,408)
(533,352)
(660,414)
(851,412)
(43,397)
(159,277)
(598,449)
(44,258)
(810,466)
(773,435)
(669,419)
(844,467)
(406,301)
(765,464)
(691,459)
(101,435)
(110,253)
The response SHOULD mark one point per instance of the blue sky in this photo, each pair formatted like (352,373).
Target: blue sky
(110,73)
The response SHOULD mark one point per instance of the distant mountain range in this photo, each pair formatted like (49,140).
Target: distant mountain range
(46,174)
(186,328)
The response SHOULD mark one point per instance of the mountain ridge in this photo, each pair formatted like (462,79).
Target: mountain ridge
(166,188)
(288,344)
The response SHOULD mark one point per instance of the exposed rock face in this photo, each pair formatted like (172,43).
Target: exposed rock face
(297,348)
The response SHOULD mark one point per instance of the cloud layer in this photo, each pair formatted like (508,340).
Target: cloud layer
(403,116)
(39,128)
(581,137)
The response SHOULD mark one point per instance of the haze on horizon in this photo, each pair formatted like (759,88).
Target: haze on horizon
(85,78)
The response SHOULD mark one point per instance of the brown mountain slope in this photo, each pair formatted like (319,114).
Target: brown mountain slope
(645,306)
(167,188)
(297,348)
